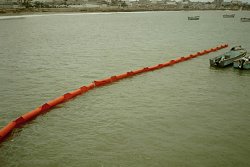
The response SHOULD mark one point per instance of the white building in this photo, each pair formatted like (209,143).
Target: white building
(184,2)
(171,3)
(218,3)
(155,1)
(236,2)
(108,1)
(8,1)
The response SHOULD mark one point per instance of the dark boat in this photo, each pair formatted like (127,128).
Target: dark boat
(194,18)
(228,57)
(244,19)
(228,15)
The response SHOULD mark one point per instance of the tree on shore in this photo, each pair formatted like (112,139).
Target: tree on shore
(120,3)
(123,4)
(25,3)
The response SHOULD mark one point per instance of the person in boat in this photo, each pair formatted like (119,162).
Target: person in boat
(245,58)
(242,61)
(236,48)
(221,59)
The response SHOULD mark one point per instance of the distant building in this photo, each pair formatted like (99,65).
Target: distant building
(9,3)
(75,2)
(144,1)
(155,1)
(171,3)
(126,2)
(184,2)
(108,1)
(236,2)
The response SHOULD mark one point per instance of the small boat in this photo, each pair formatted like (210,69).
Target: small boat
(228,15)
(228,57)
(244,19)
(242,63)
(194,18)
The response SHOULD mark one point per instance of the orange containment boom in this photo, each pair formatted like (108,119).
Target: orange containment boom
(98,83)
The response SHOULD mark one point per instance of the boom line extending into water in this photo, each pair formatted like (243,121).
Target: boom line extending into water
(97,83)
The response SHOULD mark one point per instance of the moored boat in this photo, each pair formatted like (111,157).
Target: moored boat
(242,63)
(228,15)
(228,57)
(244,19)
(193,17)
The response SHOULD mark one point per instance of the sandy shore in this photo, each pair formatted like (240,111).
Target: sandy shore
(24,11)
(62,10)
(29,11)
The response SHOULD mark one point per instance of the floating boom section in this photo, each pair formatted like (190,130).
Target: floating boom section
(98,83)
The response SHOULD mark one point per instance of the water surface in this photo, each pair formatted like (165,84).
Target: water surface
(185,115)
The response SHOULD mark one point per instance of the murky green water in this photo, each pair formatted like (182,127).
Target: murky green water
(187,115)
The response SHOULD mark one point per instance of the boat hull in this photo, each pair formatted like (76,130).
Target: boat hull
(244,66)
(229,16)
(242,63)
(245,19)
(194,18)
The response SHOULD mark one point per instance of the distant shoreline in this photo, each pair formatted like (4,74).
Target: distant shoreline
(23,11)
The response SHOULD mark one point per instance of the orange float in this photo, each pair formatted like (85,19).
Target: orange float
(171,62)
(140,71)
(130,73)
(7,129)
(47,106)
(76,92)
(91,86)
(166,64)
(114,78)
(206,51)
(145,69)
(153,68)
(84,89)
(32,114)
(67,96)
(56,101)
(121,76)
(19,121)
(180,59)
